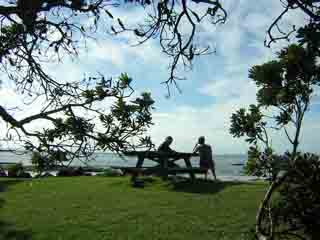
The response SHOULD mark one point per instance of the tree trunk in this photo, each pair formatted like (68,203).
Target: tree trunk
(259,232)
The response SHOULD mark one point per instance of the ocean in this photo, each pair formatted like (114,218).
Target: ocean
(224,163)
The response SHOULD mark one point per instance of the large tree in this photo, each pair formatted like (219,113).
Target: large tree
(296,213)
(41,32)
(285,84)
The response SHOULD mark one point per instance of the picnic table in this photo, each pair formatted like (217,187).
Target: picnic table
(165,162)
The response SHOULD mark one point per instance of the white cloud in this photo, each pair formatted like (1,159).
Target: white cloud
(229,86)
(226,88)
(119,53)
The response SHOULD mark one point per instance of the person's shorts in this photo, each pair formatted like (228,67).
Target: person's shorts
(205,165)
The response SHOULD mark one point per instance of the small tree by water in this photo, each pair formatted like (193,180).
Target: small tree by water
(285,88)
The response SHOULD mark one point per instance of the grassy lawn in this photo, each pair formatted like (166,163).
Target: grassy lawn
(109,208)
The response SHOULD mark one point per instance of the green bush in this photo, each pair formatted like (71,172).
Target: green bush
(299,201)
(38,161)
(265,164)
(70,172)
(110,173)
(43,161)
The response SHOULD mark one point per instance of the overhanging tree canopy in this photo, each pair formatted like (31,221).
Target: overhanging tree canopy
(35,33)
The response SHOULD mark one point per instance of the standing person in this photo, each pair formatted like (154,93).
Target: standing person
(206,160)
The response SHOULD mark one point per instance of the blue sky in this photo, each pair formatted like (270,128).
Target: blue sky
(217,85)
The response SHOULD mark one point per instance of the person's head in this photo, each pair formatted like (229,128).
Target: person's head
(201,140)
(169,140)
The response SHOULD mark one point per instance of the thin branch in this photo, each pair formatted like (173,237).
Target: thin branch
(275,23)
(287,134)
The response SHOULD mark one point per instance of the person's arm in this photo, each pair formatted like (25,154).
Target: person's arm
(196,148)
(171,150)
(164,147)
(161,147)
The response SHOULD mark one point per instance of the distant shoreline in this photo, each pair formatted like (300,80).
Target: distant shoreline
(229,164)
(99,152)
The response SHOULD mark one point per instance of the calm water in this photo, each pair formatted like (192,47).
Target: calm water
(224,163)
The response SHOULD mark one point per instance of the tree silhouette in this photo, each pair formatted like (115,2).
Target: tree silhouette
(285,88)
(40,32)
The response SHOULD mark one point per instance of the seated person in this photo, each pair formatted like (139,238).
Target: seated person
(205,152)
(165,146)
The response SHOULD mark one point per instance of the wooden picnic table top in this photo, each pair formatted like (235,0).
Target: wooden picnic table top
(155,154)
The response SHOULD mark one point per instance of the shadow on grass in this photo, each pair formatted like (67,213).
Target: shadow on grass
(200,186)
(7,230)
(6,183)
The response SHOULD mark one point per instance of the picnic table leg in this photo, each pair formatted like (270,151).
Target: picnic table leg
(138,165)
(188,164)
(164,168)
(140,161)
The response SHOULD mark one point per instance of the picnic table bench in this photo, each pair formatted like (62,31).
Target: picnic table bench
(165,163)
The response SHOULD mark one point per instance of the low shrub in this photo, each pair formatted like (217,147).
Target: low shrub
(299,202)
(110,173)
(70,172)
(15,170)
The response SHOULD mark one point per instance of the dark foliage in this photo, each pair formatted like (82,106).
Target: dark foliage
(46,161)
(298,206)
(266,164)
(71,172)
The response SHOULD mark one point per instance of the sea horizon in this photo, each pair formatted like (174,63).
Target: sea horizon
(226,164)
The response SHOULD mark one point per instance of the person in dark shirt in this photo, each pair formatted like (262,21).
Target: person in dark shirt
(205,152)
(165,146)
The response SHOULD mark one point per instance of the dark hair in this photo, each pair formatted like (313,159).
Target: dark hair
(201,140)
(169,138)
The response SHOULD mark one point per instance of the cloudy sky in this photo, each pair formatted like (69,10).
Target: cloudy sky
(216,87)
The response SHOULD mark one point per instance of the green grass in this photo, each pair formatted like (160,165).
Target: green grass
(109,208)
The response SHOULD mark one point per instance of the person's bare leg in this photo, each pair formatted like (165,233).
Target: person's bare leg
(214,173)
